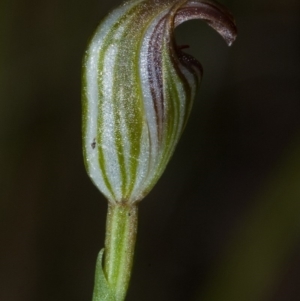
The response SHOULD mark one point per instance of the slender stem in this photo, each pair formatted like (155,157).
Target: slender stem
(121,228)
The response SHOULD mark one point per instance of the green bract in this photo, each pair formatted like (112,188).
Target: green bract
(138,89)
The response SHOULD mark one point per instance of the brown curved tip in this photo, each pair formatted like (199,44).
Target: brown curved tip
(215,14)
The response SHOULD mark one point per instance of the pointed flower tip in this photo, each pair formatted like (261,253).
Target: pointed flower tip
(138,90)
(216,15)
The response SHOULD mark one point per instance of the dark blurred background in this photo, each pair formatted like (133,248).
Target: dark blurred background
(223,223)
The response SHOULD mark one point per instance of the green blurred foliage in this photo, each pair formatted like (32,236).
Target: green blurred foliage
(259,251)
(222,222)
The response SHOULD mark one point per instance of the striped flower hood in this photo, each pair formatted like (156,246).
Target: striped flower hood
(138,90)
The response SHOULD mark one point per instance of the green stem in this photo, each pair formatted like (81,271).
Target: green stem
(121,228)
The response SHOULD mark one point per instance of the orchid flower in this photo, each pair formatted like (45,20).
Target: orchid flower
(138,91)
